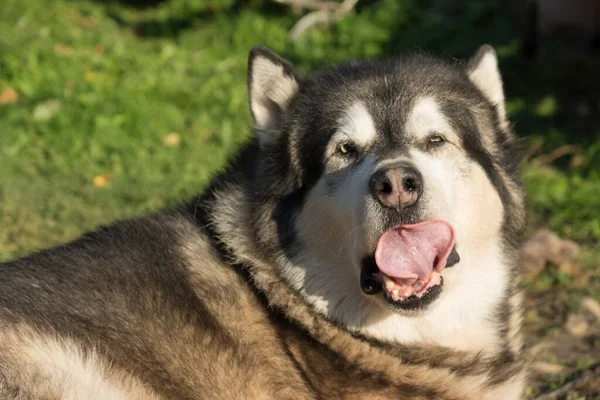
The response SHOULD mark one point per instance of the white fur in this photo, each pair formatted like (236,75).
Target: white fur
(270,86)
(357,127)
(73,375)
(461,318)
(426,119)
(486,76)
(456,190)
(334,244)
(510,390)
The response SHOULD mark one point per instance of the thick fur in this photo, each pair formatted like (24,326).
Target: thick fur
(252,291)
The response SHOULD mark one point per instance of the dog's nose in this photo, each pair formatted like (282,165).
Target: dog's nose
(397,187)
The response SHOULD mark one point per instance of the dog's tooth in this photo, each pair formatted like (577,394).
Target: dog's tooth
(389,283)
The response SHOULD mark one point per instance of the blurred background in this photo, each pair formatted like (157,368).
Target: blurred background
(110,109)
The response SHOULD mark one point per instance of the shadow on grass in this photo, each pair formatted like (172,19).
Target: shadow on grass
(181,15)
(134,3)
(170,27)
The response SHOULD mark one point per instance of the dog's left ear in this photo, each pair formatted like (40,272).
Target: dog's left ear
(272,83)
(483,72)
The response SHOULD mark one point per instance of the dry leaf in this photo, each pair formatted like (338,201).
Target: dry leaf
(9,96)
(550,369)
(577,326)
(85,20)
(62,50)
(546,246)
(538,348)
(592,306)
(172,139)
(569,269)
(101,180)
(46,109)
(90,76)
(69,86)
(576,161)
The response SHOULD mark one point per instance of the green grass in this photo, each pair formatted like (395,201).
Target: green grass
(101,84)
(103,88)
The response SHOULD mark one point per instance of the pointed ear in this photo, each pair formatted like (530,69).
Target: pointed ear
(272,83)
(483,72)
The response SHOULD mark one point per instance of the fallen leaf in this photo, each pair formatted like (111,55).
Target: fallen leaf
(90,76)
(538,348)
(9,96)
(548,368)
(46,109)
(62,50)
(592,306)
(577,326)
(172,139)
(99,49)
(576,161)
(569,269)
(546,246)
(85,20)
(101,180)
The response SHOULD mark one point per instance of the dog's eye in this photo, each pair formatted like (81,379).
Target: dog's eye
(346,149)
(436,140)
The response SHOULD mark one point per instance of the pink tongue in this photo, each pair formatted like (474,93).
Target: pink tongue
(412,252)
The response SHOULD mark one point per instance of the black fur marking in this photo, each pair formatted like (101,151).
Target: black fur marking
(453,258)
(368,283)
(484,159)
(464,123)
(284,215)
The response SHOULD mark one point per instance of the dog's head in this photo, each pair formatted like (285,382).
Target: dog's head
(385,188)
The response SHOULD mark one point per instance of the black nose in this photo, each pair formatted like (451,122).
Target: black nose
(397,186)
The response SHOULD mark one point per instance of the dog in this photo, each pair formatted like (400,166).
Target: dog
(363,244)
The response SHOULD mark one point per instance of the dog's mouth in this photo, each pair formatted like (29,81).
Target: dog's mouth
(408,262)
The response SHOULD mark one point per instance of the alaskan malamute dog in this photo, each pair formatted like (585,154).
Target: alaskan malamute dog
(363,245)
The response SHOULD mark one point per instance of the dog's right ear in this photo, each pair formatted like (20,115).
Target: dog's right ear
(272,83)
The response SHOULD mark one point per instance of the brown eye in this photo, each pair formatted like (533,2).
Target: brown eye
(437,139)
(346,149)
